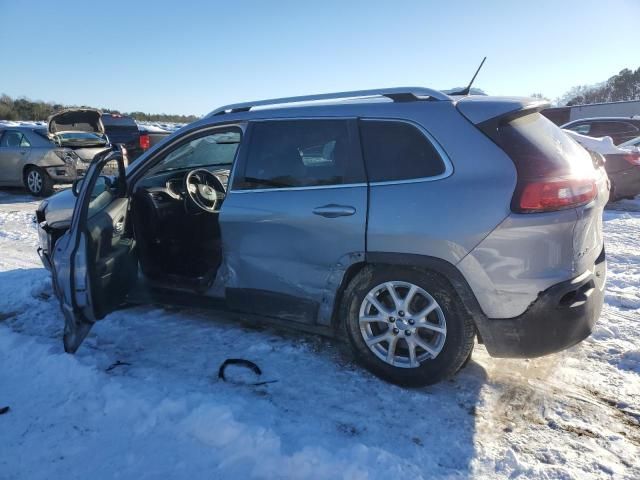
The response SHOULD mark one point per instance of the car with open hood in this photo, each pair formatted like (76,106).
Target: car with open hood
(37,158)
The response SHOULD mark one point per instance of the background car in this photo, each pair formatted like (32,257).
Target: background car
(621,163)
(123,130)
(150,135)
(620,129)
(29,157)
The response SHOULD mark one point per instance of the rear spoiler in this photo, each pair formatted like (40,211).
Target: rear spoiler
(488,113)
(479,110)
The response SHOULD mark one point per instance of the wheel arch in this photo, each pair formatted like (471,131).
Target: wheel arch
(26,167)
(446,270)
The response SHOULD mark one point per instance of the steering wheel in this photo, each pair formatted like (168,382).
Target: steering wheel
(204,190)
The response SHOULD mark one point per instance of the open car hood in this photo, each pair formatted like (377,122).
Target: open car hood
(76,120)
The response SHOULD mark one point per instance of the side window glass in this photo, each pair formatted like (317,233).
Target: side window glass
(396,150)
(582,129)
(300,153)
(11,139)
(105,189)
(24,142)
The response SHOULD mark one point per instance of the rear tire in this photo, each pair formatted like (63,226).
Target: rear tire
(38,182)
(447,332)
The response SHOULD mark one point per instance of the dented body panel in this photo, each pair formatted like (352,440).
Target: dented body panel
(283,260)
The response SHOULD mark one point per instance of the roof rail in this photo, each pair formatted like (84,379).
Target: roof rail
(397,94)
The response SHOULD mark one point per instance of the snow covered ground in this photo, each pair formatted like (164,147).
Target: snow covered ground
(141,399)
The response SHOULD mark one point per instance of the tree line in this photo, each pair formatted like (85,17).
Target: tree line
(623,86)
(25,109)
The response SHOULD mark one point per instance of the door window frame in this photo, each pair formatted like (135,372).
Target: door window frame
(241,158)
(140,169)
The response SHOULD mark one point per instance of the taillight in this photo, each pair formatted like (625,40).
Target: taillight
(145,142)
(632,158)
(552,194)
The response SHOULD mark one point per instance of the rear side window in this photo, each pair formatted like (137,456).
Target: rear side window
(14,139)
(300,153)
(539,148)
(396,150)
(581,128)
(601,129)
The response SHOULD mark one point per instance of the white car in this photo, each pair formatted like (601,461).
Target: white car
(622,163)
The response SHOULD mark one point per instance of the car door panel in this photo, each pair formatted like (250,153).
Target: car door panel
(112,257)
(12,161)
(94,262)
(281,258)
(294,219)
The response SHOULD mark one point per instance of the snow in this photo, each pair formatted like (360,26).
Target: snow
(141,399)
(602,145)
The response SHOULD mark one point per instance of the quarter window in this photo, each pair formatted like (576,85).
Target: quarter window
(300,153)
(396,150)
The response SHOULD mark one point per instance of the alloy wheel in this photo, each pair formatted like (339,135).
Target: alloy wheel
(34,181)
(402,324)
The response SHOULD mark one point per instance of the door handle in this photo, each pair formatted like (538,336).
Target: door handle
(333,211)
(23,152)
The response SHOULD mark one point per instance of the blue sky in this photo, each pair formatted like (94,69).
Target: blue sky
(189,57)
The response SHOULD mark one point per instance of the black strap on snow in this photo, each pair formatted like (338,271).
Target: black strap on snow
(245,363)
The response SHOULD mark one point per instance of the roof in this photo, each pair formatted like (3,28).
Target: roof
(396,94)
(383,102)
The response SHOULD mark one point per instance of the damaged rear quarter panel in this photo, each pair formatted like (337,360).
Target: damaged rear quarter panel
(525,255)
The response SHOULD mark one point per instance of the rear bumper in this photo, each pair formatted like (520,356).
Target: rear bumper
(560,317)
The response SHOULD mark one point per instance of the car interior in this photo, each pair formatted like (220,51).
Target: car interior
(175,210)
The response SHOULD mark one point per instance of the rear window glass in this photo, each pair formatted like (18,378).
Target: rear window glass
(540,148)
(398,151)
(109,120)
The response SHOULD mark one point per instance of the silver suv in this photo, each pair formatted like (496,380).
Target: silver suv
(404,220)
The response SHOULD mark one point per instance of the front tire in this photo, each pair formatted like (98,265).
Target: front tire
(38,182)
(407,325)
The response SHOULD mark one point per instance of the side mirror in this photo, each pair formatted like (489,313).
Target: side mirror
(76,186)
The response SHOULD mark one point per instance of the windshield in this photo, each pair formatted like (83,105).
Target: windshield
(80,138)
(213,150)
